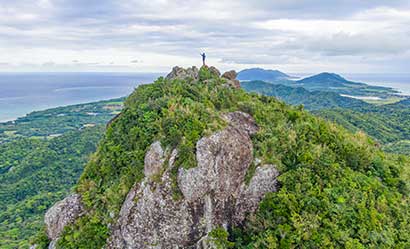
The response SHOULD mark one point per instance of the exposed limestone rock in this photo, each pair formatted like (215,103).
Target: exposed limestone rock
(230,76)
(213,193)
(182,73)
(242,121)
(263,181)
(215,71)
(154,159)
(53,244)
(63,213)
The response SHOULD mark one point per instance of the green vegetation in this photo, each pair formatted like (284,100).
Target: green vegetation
(41,158)
(219,238)
(388,124)
(338,189)
(34,174)
(56,121)
(299,96)
(399,147)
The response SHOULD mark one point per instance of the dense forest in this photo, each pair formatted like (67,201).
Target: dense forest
(41,158)
(389,124)
(338,189)
(56,121)
(311,100)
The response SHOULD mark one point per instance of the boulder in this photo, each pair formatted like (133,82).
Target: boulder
(211,195)
(230,75)
(63,213)
(231,80)
(242,121)
(214,71)
(183,74)
(263,181)
(154,159)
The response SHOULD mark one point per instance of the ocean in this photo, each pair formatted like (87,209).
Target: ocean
(22,93)
(398,81)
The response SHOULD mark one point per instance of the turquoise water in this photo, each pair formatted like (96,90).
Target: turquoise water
(399,82)
(21,93)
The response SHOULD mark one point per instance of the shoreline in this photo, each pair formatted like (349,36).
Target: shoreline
(13,120)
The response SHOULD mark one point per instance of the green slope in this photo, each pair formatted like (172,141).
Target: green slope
(299,96)
(34,174)
(41,157)
(389,124)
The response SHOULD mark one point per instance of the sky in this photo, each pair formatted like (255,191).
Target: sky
(294,36)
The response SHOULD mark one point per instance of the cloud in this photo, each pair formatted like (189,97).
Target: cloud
(295,35)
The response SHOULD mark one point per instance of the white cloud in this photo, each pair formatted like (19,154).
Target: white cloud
(302,36)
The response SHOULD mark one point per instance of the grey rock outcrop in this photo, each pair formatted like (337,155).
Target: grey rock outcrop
(262,182)
(213,194)
(63,213)
(230,75)
(182,73)
(214,71)
(231,80)
(154,160)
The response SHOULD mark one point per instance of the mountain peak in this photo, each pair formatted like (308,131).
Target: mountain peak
(261,74)
(325,76)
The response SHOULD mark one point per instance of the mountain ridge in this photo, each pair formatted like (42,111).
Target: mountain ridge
(262,74)
(201,122)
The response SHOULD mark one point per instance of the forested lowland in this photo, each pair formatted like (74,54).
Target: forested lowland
(311,100)
(41,157)
(56,121)
(388,124)
(337,188)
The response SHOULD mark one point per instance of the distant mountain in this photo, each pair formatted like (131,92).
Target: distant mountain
(314,100)
(332,82)
(329,80)
(262,74)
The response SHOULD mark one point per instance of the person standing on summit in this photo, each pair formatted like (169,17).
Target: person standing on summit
(203,58)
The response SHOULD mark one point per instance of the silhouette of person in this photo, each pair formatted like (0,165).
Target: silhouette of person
(203,58)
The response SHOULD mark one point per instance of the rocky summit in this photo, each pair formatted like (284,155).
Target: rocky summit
(193,161)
